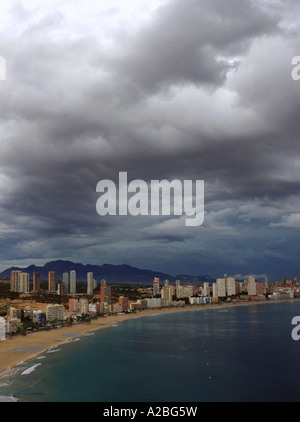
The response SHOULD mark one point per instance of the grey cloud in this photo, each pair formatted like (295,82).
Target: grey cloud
(184,40)
(201,90)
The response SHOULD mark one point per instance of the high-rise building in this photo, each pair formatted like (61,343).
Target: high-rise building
(251,286)
(156,288)
(167,293)
(123,302)
(72,282)
(215,290)
(54,313)
(66,282)
(206,289)
(177,288)
(14,281)
(19,282)
(36,282)
(221,287)
(230,286)
(90,283)
(23,282)
(52,281)
(83,306)
(105,293)
(184,291)
(73,305)
(60,289)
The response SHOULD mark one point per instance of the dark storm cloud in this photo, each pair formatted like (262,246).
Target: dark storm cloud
(201,90)
(184,41)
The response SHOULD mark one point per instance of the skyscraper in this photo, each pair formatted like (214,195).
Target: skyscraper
(51,281)
(156,289)
(36,282)
(66,282)
(72,282)
(177,288)
(60,289)
(230,286)
(251,286)
(14,278)
(221,287)
(23,282)
(167,293)
(105,292)
(90,283)
(206,289)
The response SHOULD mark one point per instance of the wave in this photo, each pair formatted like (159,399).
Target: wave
(53,350)
(5,384)
(41,357)
(31,369)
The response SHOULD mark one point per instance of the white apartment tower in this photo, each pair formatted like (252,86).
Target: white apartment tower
(90,283)
(72,282)
(230,285)
(206,289)
(19,282)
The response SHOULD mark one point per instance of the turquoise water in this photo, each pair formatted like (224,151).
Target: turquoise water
(244,354)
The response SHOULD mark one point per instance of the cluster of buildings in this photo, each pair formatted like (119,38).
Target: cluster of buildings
(223,287)
(162,295)
(20,283)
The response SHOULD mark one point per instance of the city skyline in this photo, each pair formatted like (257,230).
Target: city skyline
(162,90)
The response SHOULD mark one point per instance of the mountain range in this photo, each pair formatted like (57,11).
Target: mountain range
(114,274)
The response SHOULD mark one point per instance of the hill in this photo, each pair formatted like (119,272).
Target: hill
(114,274)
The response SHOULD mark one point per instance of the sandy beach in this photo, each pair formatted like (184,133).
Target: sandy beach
(18,349)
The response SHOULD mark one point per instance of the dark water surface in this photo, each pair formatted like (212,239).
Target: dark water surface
(243,354)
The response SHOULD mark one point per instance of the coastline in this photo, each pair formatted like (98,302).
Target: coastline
(12,350)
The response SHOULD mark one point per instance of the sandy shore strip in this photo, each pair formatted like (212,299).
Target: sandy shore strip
(19,349)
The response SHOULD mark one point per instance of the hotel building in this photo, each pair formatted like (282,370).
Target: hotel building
(54,313)
(73,305)
(83,306)
(123,302)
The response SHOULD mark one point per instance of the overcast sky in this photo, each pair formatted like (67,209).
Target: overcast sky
(161,89)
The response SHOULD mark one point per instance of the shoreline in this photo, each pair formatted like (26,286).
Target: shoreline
(13,351)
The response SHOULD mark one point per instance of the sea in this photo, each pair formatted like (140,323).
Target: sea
(228,354)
